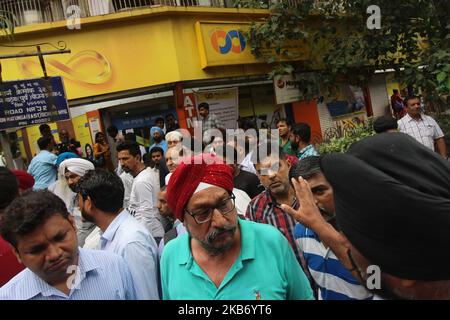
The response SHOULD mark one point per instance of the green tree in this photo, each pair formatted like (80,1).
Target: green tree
(414,40)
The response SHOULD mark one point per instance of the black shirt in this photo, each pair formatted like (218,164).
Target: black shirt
(249,183)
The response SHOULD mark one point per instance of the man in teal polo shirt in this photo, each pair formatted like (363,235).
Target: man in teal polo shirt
(221,256)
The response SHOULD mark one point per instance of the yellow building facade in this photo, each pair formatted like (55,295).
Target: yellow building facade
(148,50)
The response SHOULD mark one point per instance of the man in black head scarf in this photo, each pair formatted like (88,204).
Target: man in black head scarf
(392,202)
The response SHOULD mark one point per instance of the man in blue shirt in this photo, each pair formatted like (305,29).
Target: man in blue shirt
(43,236)
(100,198)
(301,141)
(42,166)
(222,256)
(158,137)
(334,281)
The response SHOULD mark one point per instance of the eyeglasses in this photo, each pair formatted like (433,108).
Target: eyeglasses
(204,215)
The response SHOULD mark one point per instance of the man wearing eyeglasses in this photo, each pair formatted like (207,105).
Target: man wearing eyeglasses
(222,256)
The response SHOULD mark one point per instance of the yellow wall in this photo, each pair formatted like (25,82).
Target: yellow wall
(21,144)
(34,134)
(82,132)
(392,83)
(125,54)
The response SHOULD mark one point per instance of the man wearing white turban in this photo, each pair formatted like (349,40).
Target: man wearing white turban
(69,173)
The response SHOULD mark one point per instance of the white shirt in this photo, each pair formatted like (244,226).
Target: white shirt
(127,180)
(247,164)
(241,202)
(131,240)
(143,151)
(143,201)
(92,241)
(425,130)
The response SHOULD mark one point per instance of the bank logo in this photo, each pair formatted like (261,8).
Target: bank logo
(224,42)
(280,84)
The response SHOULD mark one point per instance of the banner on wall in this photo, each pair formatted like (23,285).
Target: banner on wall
(32,101)
(223,103)
(292,88)
(82,131)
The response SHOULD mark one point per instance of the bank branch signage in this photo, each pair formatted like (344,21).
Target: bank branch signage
(222,43)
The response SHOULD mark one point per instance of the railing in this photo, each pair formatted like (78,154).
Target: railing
(37,11)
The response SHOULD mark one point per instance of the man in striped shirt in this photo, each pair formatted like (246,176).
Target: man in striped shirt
(334,281)
(43,236)
(422,127)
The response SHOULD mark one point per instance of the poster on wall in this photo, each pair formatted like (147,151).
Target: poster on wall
(94,126)
(223,103)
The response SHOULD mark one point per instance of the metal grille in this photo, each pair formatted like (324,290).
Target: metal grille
(37,11)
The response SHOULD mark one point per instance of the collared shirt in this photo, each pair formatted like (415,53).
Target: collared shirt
(263,249)
(129,239)
(425,130)
(100,276)
(211,122)
(264,209)
(43,169)
(307,151)
(143,200)
(335,282)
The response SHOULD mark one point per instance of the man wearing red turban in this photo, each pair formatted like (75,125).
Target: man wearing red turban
(222,256)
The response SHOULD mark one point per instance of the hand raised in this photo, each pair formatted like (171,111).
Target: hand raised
(308,213)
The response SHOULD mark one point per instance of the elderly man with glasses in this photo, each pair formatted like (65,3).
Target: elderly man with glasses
(222,256)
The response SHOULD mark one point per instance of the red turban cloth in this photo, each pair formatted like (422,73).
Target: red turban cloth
(189,174)
(24,179)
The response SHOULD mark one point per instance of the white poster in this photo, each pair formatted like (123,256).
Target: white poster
(223,103)
(290,88)
(94,126)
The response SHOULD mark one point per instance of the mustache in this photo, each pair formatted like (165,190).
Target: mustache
(218,231)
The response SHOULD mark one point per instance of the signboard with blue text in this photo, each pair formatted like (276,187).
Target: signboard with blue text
(32,101)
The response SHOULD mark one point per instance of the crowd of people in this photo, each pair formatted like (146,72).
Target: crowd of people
(266,220)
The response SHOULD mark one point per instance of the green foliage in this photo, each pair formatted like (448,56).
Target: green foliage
(444,122)
(343,143)
(413,40)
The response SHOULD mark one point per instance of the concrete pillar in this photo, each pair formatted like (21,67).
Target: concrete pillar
(4,141)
